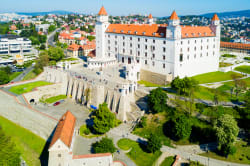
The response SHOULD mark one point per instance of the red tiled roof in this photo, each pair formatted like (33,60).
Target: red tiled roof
(153,30)
(157,30)
(174,16)
(64,129)
(215,17)
(196,31)
(235,45)
(102,12)
(91,155)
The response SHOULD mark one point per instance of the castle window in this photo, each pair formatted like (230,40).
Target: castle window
(115,42)
(207,47)
(181,49)
(194,55)
(131,52)
(146,40)
(123,50)
(108,41)
(195,48)
(123,44)
(123,37)
(163,57)
(146,54)
(201,47)
(188,57)
(138,45)
(153,48)
(164,42)
(213,53)
(138,53)
(201,55)
(188,49)
(138,39)
(207,40)
(109,36)
(116,49)
(146,62)
(130,44)
(163,66)
(109,48)
(153,63)
(181,42)
(115,36)
(214,45)
(146,47)
(207,53)
(181,57)
(153,55)
(195,41)
(130,38)
(153,41)
(188,42)
(164,49)
(59,155)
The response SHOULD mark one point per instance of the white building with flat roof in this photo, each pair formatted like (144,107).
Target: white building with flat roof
(12,44)
(163,51)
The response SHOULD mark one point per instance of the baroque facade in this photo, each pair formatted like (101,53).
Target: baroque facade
(168,50)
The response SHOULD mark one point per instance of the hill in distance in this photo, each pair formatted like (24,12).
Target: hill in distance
(241,13)
(57,12)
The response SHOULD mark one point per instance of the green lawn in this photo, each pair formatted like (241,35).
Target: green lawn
(54,99)
(168,161)
(149,84)
(242,154)
(24,88)
(69,59)
(29,76)
(137,153)
(14,75)
(29,144)
(243,68)
(223,64)
(214,77)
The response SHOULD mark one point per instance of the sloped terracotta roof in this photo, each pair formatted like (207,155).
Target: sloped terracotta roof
(215,17)
(64,129)
(150,16)
(102,12)
(174,16)
(91,155)
(157,30)
(73,47)
(196,31)
(154,30)
(235,45)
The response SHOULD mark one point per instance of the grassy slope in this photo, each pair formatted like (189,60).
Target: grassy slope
(14,75)
(24,88)
(239,157)
(149,84)
(29,76)
(140,157)
(168,161)
(214,77)
(55,98)
(29,144)
(244,69)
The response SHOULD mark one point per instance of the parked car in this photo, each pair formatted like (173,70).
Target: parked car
(56,103)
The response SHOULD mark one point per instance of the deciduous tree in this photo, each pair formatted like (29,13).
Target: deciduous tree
(154,143)
(157,100)
(105,145)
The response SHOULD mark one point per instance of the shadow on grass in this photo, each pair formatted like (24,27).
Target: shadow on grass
(44,157)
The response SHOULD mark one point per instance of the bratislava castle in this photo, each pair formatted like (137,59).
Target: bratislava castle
(173,49)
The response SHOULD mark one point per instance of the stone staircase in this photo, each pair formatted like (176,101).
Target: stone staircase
(141,99)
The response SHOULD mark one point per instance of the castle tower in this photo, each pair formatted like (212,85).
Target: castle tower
(215,25)
(150,19)
(174,28)
(101,26)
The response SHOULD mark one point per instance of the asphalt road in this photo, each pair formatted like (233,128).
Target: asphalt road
(21,76)
(50,39)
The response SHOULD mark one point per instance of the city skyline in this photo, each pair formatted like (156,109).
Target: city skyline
(182,7)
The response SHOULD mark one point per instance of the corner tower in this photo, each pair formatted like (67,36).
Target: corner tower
(215,25)
(174,28)
(101,26)
(150,19)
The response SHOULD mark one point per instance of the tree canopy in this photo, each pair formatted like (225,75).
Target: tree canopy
(55,53)
(157,100)
(182,127)
(154,143)
(104,119)
(10,156)
(105,145)
(4,77)
(226,130)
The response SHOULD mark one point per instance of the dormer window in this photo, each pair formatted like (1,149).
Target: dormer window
(186,34)
(113,30)
(129,31)
(122,31)
(135,32)
(205,33)
(144,33)
(154,34)
(199,34)
(162,34)
(193,34)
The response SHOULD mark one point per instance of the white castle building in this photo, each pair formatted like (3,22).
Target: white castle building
(161,51)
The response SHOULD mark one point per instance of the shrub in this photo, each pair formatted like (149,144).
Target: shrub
(157,100)
(247,58)
(182,127)
(228,55)
(105,145)
(154,143)
(84,130)
(143,122)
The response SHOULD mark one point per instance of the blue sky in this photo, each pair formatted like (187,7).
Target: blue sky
(125,7)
